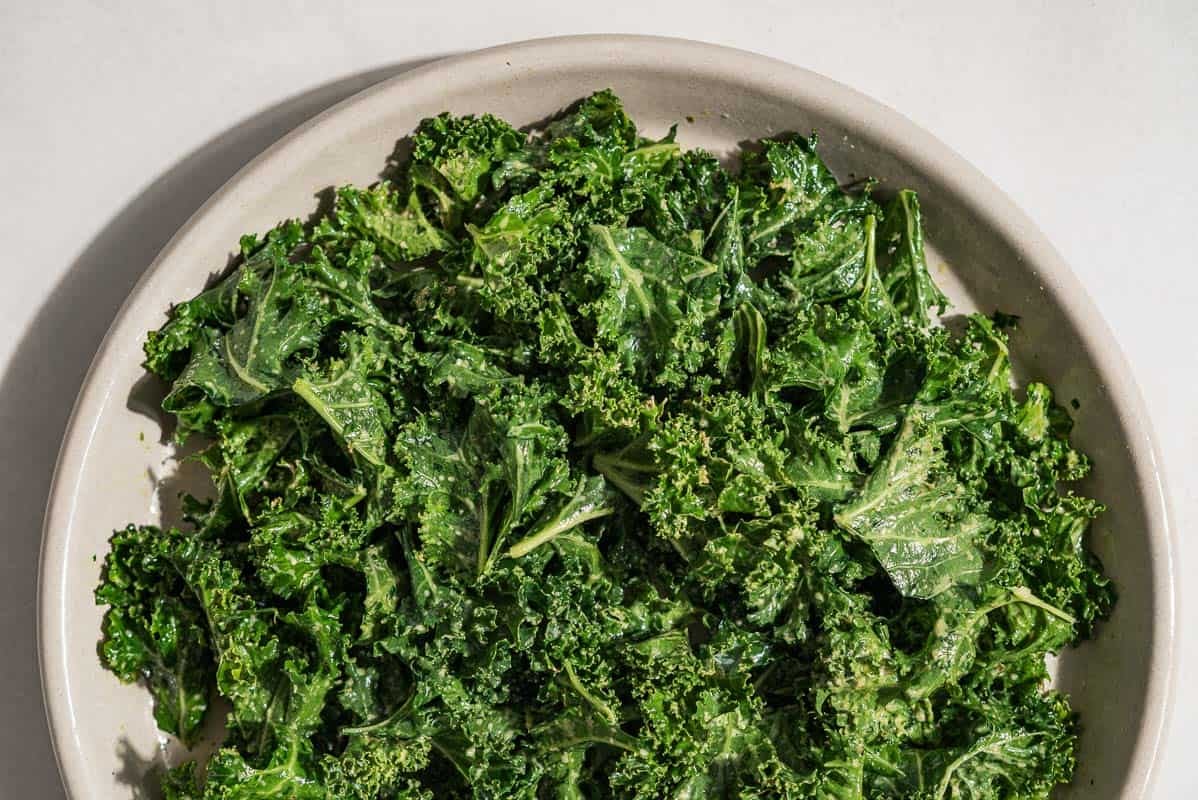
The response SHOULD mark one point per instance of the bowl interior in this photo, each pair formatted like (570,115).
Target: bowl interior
(115,469)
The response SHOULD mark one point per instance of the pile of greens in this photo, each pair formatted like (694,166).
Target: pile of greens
(572,465)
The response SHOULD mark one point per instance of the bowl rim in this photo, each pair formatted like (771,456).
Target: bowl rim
(888,127)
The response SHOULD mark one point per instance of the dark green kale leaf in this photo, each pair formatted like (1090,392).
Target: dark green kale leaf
(784,186)
(923,526)
(906,272)
(396,224)
(153,631)
(248,360)
(652,302)
(572,465)
(342,395)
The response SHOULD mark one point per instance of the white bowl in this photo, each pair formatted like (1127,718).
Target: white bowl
(112,465)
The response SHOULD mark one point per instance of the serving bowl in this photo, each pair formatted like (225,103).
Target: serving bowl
(117,465)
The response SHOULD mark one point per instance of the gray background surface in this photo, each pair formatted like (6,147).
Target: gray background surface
(118,119)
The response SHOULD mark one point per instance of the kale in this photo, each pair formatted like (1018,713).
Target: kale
(573,465)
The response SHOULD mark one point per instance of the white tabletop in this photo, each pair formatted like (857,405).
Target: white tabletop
(117,120)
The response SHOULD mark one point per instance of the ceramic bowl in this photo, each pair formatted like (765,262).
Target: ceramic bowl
(114,468)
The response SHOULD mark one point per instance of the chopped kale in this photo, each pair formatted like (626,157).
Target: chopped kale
(572,465)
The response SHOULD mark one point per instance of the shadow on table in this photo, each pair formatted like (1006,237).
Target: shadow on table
(48,364)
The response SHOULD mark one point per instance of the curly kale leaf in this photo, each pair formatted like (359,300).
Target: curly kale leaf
(651,300)
(155,632)
(917,518)
(906,269)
